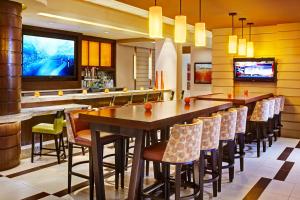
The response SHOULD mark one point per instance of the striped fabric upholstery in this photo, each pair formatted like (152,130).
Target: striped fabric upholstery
(261,111)
(228,124)
(241,120)
(184,143)
(211,132)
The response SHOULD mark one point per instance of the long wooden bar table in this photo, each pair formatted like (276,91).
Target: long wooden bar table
(236,99)
(133,121)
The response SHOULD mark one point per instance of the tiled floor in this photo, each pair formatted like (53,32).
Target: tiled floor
(275,175)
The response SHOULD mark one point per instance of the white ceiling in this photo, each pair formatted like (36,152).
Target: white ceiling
(80,10)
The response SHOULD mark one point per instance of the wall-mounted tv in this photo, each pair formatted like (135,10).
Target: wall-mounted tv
(49,57)
(255,69)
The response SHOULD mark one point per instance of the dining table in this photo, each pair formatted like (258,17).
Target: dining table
(236,99)
(134,121)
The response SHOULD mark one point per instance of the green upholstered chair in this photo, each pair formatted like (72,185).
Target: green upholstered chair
(54,130)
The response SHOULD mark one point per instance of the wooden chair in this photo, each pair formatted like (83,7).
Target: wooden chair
(183,148)
(241,125)
(79,134)
(209,149)
(259,122)
(227,136)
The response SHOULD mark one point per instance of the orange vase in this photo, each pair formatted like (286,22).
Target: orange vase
(162,84)
(156,80)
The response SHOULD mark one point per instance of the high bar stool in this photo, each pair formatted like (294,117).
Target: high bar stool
(79,134)
(227,136)
(210,145)
(259,119)
(241,124)
(183,148)
(56,131)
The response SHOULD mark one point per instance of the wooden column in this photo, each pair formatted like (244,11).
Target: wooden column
(10,81)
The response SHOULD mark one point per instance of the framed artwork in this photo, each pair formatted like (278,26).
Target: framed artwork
(202,73)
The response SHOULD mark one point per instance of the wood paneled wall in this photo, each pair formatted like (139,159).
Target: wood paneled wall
(280,41)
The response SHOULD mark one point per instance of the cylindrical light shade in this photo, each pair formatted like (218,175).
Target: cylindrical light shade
(232,44)
(250,49)
(155,22)
(242,47)
(200,35)
(180,29)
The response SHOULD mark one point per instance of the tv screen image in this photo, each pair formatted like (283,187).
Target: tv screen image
(48,57)
(254,69)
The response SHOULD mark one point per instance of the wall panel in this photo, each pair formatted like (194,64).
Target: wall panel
(282,42)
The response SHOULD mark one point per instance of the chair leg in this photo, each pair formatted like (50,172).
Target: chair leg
(63,146)
(166,171)
(241,139)
(117,163)
(216,171)
(177,181)
(70,163)
(258,140)
(126,152)
(122,163)
(41,144)
(201,174)
(32,146)
(91,175)
(147,162)
(141,187)
(231,147)
(82,150)
(57,149)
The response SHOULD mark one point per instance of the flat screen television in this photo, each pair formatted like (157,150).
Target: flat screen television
(255,69)
(50,57)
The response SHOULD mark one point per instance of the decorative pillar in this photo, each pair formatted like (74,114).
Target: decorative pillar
(10,81)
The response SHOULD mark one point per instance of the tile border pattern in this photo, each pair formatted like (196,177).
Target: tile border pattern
(254,193)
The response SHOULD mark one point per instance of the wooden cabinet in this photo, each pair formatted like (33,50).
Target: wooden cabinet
(97,53)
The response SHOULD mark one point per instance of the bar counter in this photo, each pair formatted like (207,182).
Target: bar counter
(80,98)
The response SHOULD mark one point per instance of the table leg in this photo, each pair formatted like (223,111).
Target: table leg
(134,185)
(97,152)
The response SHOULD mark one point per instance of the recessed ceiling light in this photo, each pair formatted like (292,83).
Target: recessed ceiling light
(106,32)
(91,23)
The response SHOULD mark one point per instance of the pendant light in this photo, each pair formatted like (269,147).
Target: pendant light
(155,21)
(250,45)
(232,40)
(200,31)
(242,51)
(180,28)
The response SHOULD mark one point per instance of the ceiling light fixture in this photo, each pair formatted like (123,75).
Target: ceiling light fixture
(200,31)
(232,40)
(242,41)
(155,21)
(250,45)
(180,28)
(91,23)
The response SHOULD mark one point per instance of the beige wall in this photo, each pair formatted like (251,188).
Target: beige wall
(166,60)
(124,65)
(280,41)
